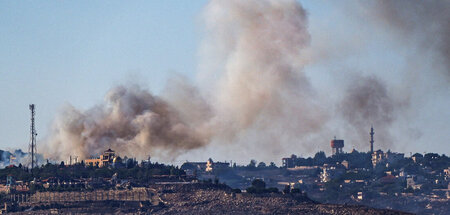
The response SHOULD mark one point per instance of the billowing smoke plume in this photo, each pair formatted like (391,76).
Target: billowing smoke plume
(260,84)
(366,101)
(132,121)
(254,91)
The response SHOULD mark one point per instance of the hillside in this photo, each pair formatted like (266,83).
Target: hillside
(206,199)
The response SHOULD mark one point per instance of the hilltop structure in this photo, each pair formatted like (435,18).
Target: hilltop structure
(107,158)
(337,146)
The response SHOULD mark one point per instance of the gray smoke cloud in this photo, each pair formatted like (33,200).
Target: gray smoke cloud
(131,121)
(423,24)
(17,157)
(368,102)
(260,84)
(252,93)
(257,88)
(263,101)
(423,28)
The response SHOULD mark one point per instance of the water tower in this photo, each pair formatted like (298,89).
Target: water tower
(336,146)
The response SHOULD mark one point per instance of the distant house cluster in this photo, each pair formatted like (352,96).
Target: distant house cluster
(194,168)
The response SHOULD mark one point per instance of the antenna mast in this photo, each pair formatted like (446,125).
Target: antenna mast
(371,139)
(32,147)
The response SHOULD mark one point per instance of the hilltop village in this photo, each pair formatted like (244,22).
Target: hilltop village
(418,183)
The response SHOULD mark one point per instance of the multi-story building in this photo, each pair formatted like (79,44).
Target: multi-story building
(380,157)
(330,172)
(289,162)
(207,166)
(105,159)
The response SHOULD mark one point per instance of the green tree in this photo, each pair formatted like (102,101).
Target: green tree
(261,165)
(259,184)
(272,165)
(320,158)
(252,164)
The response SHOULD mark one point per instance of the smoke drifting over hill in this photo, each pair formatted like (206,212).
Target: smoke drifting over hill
(258,77)
(252,89)
(368,101)
(259,87)
(131,121)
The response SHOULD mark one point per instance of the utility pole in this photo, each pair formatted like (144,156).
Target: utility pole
(32,147)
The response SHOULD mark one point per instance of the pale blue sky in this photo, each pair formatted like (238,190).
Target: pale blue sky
(58,52)
(66,51)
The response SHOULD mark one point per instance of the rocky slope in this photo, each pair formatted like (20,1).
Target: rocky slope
(202,199)
(196,199)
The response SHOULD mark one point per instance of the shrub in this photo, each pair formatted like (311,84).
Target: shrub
(259,184)
(272,190)
(236,190)
(296,190)
(254,190)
